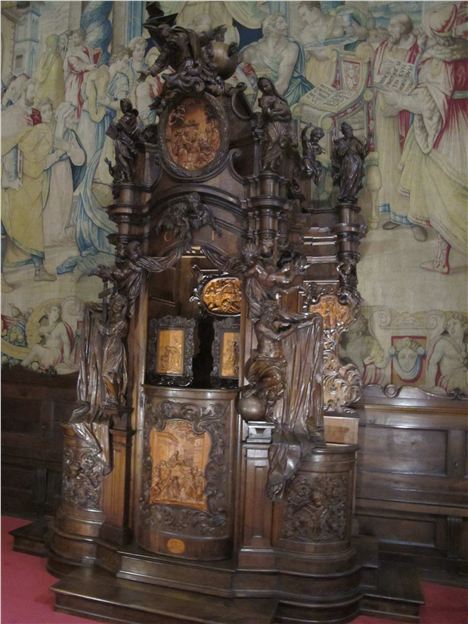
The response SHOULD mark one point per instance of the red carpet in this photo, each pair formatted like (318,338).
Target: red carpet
(26,598)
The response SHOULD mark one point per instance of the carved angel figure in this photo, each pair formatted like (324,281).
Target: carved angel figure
(266,280)
(196,59)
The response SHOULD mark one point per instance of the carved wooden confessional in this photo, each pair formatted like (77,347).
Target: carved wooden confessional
(197,481)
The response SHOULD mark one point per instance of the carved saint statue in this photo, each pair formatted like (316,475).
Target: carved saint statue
(312,168)
(114,355)
(125,133)
(347,158)
(276,118)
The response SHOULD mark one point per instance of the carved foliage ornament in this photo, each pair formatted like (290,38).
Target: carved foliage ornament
(315,508)
(83,471)
(342,383)
(210,419)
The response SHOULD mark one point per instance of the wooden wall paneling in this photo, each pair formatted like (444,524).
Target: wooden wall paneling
(412,489)
(34,407)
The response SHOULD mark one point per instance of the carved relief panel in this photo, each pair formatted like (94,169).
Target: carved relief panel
(179,458)
(193,135)
(186,472)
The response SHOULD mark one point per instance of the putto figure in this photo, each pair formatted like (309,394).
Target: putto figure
(348,157)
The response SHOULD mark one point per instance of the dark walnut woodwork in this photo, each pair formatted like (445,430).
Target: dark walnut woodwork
(34,408)
(192,493)
(412,489)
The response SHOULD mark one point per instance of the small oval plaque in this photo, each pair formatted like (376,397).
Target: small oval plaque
(175,546)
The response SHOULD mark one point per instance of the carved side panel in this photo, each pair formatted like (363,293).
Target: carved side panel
(316,509)
(316,513)
(83,471)
(186,479)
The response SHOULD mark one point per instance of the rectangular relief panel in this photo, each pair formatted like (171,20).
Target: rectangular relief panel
(403,450)
(186,507)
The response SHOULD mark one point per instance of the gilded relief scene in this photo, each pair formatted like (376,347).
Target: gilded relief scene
(170,352)
(396,72)
(193,134)
(179,458)
(230,355)
(222,295)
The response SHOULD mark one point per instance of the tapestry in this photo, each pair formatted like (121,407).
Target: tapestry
(397,72)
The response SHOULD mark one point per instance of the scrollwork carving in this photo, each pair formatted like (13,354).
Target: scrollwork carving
(342,383)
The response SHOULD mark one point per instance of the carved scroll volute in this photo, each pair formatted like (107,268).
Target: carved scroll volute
(342,383)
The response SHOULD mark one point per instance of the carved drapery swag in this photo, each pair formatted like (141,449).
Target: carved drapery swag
(298,415)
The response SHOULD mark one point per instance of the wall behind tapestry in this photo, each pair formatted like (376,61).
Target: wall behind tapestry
(397,72)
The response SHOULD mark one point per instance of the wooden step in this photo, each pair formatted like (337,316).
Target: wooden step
(32,538)
(97,594)
(397,593)
(367,549)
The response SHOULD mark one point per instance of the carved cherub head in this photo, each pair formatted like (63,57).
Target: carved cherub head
(133,251)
